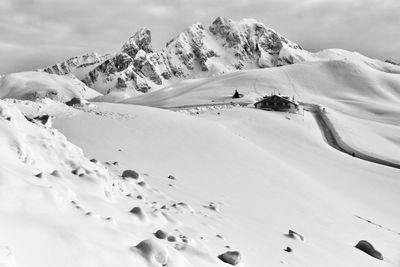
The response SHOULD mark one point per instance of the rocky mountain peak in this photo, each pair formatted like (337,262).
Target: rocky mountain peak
(224,46)
(221,22)
(141,40)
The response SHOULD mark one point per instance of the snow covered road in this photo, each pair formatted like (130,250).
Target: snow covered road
(334,140)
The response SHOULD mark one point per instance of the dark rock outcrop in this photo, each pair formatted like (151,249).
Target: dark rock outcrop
(231,257)
(141,40)
(294,235)
(160,234)
(130,174)
(368,248)
(74,101)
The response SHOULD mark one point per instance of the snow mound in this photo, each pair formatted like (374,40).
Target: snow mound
(36,85)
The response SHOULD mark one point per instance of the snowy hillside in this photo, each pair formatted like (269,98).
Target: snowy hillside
(33,85)
(362,98)
(226,180)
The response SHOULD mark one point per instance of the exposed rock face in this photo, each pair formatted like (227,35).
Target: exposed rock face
(225,46)
(140,41)
(79,65)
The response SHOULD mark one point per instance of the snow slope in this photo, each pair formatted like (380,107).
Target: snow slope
(243,178)
(32,85)
(362,100)
(266,172)
(77,212)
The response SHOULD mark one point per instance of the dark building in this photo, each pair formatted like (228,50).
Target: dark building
(278,103)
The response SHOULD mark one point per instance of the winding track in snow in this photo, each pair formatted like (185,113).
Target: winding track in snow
(334,140)
(327,129)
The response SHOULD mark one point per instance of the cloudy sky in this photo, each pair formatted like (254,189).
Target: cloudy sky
(36,33)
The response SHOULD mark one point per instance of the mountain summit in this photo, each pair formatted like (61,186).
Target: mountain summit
(225,46)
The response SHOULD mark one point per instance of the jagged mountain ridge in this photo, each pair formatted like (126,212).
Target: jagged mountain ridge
(225,46)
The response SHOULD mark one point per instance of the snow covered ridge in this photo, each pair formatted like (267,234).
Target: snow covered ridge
(225,46)
(33,85)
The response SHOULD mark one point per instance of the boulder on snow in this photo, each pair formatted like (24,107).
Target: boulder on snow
(142,183)
(56,173)
(368,248)
(74,101)
(130,174)
(288,249)
(160,234)
(212,206)
(39,175)
(138,211)
(78,171)
(171,238)
(294,235)
(231,257)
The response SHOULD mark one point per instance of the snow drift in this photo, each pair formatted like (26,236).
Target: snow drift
(35,85)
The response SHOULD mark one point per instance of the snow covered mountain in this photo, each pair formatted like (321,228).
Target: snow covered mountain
(198,51)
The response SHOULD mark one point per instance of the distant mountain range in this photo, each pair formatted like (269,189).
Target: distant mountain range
(198,52)
(223,47)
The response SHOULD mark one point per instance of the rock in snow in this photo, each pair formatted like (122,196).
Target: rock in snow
(368,248)
(160,234)
(231,257)
(138,211)
(130,174)
(294,235)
